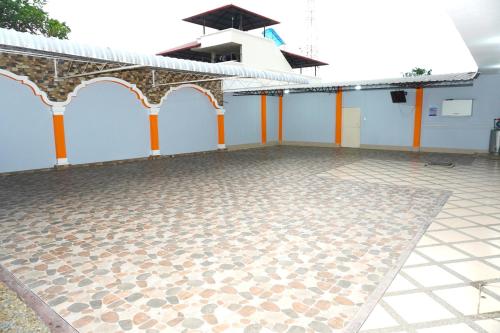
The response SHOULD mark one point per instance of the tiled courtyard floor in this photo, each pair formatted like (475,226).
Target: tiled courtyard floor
(451,282)
(278,239)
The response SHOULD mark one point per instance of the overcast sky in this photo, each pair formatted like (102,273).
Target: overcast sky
(360,39)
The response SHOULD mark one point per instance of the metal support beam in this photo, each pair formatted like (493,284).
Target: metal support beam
(201,80)
(118,69)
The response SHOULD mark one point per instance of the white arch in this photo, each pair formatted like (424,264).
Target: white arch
(206,92)
(61,105)
(27,82)
(139,94)
(132,87)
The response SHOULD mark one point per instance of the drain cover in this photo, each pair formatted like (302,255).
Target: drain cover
(443,164)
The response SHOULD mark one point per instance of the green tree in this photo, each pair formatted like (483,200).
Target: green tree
(417,71)
(29,16)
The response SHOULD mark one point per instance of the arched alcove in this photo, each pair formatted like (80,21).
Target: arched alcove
(187,122)
(26,131)
(104,122)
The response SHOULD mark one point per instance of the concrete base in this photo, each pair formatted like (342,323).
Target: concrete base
(309,144)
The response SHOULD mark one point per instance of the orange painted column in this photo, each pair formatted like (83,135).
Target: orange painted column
(280,119)
(417,124)
(153,131)
(221,144)
(263,118)
(59,137)
(338,118)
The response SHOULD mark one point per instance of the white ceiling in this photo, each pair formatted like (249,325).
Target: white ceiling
(478,21)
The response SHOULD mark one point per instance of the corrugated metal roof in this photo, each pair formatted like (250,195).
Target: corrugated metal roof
(424,80)
(25,40)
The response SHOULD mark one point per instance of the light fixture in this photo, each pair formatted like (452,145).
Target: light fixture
(287,91)
(358,87)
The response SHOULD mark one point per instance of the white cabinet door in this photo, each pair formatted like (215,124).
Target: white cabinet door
(351,127)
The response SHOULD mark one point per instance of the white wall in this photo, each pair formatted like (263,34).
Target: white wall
(26,130)
(256,51)
(309,117)
(106,122)
(187,123)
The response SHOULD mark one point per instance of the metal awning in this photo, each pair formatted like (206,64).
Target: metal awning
(14,40)
(424,81)
(231,16)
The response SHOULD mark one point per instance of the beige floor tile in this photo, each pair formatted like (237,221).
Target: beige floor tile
(449,236)
(443,215)
(494,261)
(481,232)
(478,249)
(379,318)
(417,307)
(490,325)
(493,288)
(495,242)
(484,219)
(486,209)
(436,226)
(431,276)
(475,270)
(424,241)
(457,222)
(460,212)
(415,259)
(400,284)
(453,328)
(442,253)
(466,300)
(464,203)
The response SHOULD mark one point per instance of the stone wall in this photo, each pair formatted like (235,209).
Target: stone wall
(41,71)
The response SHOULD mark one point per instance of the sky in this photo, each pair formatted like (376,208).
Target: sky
(360,39)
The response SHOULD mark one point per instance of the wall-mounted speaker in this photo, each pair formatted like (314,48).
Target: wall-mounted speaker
(398,96)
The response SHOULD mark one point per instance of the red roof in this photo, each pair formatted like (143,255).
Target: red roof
(187,46)
(299,61)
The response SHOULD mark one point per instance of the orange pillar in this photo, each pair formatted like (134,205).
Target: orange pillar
(417,124)
(280,119)
(59,137)
(220,129)
(263,118)
(338,118)
(153,132)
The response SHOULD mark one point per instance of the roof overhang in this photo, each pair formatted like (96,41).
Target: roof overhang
(424,81)
(187,51)
(298,61)
(231,16)
(478,22)
(11,40)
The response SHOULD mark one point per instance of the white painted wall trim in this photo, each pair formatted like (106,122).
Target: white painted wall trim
(62,161)
(210,96)
(27,82)
(140,95)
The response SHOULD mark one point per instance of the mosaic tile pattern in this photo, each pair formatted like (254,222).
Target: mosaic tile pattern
(243,241)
